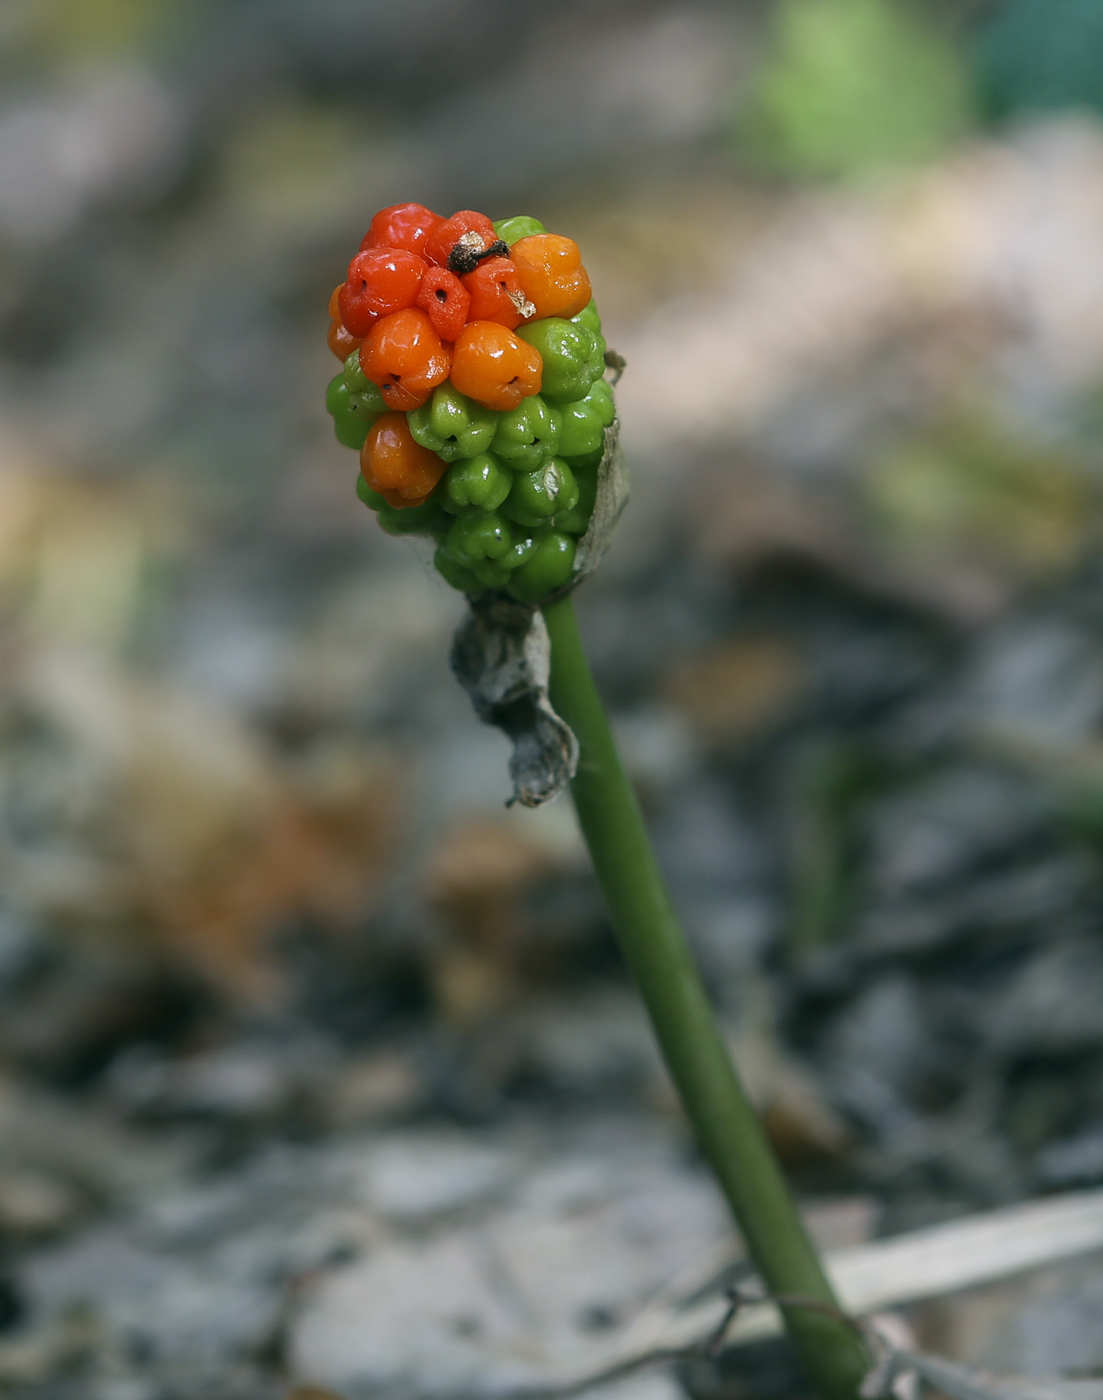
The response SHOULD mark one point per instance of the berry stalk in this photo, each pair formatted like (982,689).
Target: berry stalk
(727,1129)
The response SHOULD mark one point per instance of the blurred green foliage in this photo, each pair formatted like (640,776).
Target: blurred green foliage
(833,781)
(98,28)
(855,84)
(1036,55)
(971,487)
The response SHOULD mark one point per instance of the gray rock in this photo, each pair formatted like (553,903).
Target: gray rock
(876,1052)
(1037,681)
(173,1310)
(941,829)
(1052,1004)
(413,1177)
(522,1294)
(1049,1324)
(1074,1161)
(1015,899)
(596,1042)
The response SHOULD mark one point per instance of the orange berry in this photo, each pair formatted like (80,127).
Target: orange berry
(494,367)
(496,294)
(392,463)
(403,354)
(549,268)
(340,341)
(334,308)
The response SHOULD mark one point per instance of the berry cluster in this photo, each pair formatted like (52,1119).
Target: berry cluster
(473,389)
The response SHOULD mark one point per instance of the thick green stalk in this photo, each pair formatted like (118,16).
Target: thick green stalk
(725,1124)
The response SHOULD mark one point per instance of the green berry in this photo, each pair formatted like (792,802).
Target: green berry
(479,481)
(583,431)
(589,318)
(352,418)
(527,435)
(572,357)
(520,226)
(370,498)
(585,421)
(548,567)
(576,520)
(584,461)
(455,573)
(358,384)
(350,430)
(425,519)
(537,496)
(491,573)
(451,425)
(479,534)
(601,397)
(495,573)
(337,396)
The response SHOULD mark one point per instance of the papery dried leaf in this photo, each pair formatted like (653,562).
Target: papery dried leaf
(501,655)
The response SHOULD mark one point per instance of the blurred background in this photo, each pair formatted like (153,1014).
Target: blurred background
(286,994)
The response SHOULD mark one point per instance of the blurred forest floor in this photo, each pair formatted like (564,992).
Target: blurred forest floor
(294,1015)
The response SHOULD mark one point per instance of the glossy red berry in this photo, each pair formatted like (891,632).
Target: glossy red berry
(445,300)
(401,226)
(459,242)
(380,282)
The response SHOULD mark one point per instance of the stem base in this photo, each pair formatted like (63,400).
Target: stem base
(726,1126)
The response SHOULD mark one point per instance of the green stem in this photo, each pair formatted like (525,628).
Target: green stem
(725,1124)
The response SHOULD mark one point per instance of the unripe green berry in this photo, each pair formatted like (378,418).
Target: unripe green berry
(479,481)
(527,435)
(547,569)
(352,418)
(495,573)
(519,226)
(576,520)
(455,573)
(478,534)
(371,499)
(588,317)
(358,383)
(537,496)
(425,519)
(452,425)
(571,355)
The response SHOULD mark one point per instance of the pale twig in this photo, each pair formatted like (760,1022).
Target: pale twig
(707,1347)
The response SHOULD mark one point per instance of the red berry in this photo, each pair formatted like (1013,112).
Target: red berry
(445,300)
(474,233)
(496,294)
(380,281)
(401,226)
